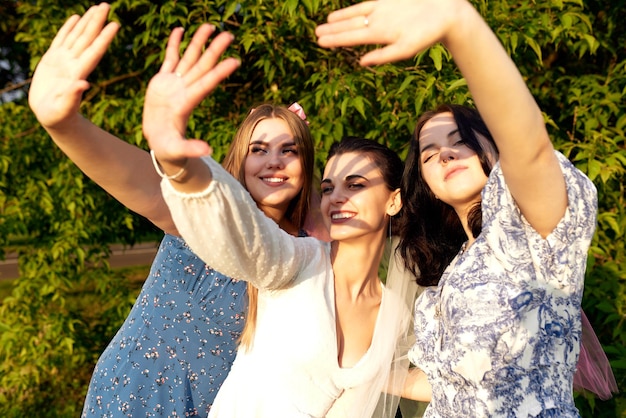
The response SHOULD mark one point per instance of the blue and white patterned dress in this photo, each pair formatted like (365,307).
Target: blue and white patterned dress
(500,334)
(176,346)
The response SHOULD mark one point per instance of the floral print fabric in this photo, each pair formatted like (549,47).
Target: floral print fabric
(500,334)
(176,346)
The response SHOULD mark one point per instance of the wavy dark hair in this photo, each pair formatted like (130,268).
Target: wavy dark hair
(430,230)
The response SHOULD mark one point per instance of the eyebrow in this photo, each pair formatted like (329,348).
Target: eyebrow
(348,178)
(261,142)
(432,145)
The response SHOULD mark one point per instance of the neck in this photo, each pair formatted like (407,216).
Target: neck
(466,227)
(355,266)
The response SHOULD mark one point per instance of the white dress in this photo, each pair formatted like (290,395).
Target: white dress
(291,369)
(500,334)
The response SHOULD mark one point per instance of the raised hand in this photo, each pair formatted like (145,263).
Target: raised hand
(406,27)
(179,86)
(61,76)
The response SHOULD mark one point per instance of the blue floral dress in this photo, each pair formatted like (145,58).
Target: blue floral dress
(500,334)
(176,346)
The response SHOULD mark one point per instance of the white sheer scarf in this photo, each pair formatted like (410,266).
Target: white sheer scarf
(401,287)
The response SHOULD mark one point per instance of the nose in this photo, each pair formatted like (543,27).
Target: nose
(337,196)
(446,154)
(274,161)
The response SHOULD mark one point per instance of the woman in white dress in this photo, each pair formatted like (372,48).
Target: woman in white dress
(327,329)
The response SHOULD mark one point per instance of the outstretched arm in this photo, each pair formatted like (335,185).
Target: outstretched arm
(213,211)
(407,27)
(60,79)
(179,86)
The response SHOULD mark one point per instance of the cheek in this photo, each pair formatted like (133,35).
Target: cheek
(295,168)
(324,204)
(427,174)
(249,167)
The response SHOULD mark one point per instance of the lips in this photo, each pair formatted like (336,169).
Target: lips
(274,181)
(453,171)
(340,216)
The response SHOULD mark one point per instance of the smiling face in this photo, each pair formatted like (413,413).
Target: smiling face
(451,169)
(355,199)
(273,171)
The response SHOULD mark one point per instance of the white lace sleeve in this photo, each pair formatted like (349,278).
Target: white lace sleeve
(224,227)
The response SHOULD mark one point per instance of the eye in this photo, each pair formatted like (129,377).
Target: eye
(355,186)
(460,142)
(327,190)
(428,157)
(255,149)
(291,150)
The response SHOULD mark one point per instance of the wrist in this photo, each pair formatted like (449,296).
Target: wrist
(170,170)
(68,124)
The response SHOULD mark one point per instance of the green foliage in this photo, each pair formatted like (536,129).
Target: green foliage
(570,52)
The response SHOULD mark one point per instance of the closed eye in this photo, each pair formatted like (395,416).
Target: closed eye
(428,157)
(355,186)
(257,150)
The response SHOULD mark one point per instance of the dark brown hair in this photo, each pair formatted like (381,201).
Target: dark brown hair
(430,230)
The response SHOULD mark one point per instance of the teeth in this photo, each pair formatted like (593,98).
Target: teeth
(341,215)
(273,180)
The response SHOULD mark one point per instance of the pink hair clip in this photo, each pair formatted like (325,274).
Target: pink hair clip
(297,109)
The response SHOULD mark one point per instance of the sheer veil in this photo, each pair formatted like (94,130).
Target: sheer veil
(593,372)
(401,288)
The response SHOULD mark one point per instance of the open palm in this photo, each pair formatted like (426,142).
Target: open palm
(179,86)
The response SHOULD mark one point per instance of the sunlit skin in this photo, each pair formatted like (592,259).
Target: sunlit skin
(273,172)
(451,169)
(355,198)
(356,205)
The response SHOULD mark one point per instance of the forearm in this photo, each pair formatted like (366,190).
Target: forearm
(123,170)
(416,386)
(224,227)
(497,87)
(513,117)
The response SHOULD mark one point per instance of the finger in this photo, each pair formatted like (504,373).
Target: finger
(172,51)
(194,50)
(62,33)
(211,56)
(391,53)
(360,9)
(80,27)
(342,26)
(209,81)
(93,54)
(363,36)
(92,29)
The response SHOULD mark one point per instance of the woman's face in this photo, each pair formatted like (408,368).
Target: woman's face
(355,198)
(450,168)
(273,171)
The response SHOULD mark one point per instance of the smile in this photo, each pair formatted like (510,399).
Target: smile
(273,180)
(336,216)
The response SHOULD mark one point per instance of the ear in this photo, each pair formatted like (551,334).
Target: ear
(395,203)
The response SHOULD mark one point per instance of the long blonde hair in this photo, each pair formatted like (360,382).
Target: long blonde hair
(298,207)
